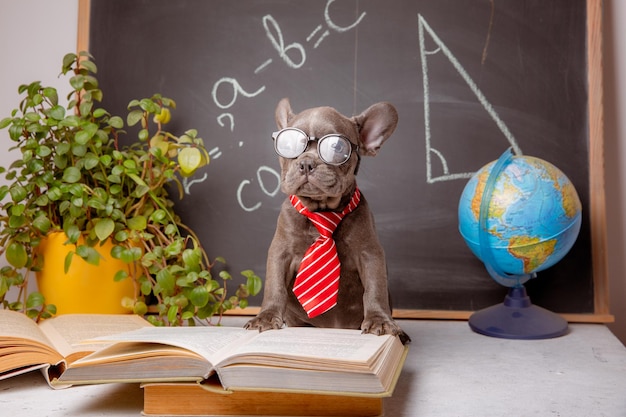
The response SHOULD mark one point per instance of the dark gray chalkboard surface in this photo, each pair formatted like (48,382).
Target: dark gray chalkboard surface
(469,80)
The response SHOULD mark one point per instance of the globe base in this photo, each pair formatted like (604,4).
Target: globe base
(518,318)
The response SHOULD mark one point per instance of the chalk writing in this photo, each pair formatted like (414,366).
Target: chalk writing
(278,43)
(430,150)
(262,169)
(227,90)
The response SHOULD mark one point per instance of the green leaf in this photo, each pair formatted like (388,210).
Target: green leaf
(35,300)
(166,280)
(172,314)
(254,285)
(126,256)
(42,223)
(120,275)
(104,228)
(70,121)
(67,262)
(43,151)
(5,122)
(140,308)
(16,254)
(50,310)
(98,113)
(63,148)
(106,160)
(174,248)
(83,136)
(85,108)
(199,296)
(225,275)
(18,193)
(140,191)
(73,233)
(16,221)
(68,61)
(145,287)
(57,112)
(137,223)
(55,193)
(51,94)
(134,117)
(77,82)
(89,66)
(91,161)
(79,150)
(192,257)
(89,254)
(71,174)
(116,122)
(143,135)
(121,236)
(117,251)
(190,159)
(18,209)
(137,179)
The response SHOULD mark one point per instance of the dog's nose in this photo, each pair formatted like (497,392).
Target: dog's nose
(306,166)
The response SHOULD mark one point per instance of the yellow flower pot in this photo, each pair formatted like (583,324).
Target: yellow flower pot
(85,288)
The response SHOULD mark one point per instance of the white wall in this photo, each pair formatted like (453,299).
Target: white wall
(35,34)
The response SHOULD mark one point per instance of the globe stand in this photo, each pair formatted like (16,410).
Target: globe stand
(518,318)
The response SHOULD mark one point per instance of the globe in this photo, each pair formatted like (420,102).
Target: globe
(519,215)
(529,221)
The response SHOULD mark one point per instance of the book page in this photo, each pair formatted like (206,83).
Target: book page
(66,332)
(17,325)
(205,341)
(308,347)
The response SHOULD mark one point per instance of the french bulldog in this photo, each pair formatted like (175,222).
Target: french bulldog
(323,178)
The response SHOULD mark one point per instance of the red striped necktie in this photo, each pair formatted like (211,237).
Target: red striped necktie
(317,281)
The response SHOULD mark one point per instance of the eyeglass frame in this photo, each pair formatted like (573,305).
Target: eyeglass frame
(353,146)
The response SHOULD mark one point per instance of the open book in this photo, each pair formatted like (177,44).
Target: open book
(54,344)
(292,359)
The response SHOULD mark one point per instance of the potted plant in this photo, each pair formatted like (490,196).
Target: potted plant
(74,176)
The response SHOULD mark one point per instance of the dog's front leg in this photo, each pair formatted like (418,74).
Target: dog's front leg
(274,298)
(377,309)
(277,278)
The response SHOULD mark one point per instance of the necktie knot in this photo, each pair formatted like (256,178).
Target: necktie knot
(317,280)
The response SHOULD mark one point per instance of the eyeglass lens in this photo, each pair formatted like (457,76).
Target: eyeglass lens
(332,149)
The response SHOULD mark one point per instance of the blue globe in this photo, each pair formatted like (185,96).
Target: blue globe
(528,221)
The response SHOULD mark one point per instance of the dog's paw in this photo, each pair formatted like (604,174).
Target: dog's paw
(380,325)
(265,320)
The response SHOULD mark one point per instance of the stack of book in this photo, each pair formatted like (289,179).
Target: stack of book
(210,370)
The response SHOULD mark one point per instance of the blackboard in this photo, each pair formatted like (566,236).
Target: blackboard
(469,80)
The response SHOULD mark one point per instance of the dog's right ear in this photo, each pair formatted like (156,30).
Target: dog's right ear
(283,113)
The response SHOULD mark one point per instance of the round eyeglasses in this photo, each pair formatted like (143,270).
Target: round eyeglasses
(333,149)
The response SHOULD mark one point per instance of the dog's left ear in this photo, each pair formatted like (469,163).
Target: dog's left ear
(375,125)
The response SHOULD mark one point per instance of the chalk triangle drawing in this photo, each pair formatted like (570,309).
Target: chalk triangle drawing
(430,151)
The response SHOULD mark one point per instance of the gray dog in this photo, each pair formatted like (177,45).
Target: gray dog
(319,152)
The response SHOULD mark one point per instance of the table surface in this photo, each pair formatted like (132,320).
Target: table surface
(450,371)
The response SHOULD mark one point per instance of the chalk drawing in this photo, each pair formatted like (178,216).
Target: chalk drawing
(430,151)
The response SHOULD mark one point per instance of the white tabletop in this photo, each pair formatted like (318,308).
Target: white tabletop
(450,371)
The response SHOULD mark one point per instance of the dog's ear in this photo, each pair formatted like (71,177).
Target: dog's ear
(375,125)
(283,113)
